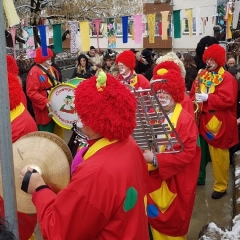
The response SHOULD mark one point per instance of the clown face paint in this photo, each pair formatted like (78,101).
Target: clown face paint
(79,123)
(211,64)
(165,99)
(123,69)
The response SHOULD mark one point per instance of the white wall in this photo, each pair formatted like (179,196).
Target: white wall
(208,9)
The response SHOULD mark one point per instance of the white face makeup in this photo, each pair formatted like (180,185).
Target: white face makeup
(211,64)
(123,69)
(165,99)
(79,123)
(49,62)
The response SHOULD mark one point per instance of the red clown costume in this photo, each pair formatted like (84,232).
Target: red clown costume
(134,80)
(218,125)
(106,195)
(21,124)
(173,182)
(38,85)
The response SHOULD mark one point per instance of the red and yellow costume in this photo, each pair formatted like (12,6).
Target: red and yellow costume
(104,196)
(134,80)
(107,192)
(21,124)
(173,183)
(38,83)
(218,125)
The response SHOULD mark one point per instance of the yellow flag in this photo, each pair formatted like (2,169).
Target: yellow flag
(85,35)
(10,12)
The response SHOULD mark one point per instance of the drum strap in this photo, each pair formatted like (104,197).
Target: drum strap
(52,78)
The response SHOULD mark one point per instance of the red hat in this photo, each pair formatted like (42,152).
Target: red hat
(108,110)
(217,53)
(39,58)
(12,66)
(15,90)
(127,58)
(174,84)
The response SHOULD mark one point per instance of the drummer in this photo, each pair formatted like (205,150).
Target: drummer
(41,78)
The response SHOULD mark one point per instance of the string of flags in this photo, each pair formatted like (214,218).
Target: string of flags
(138,24)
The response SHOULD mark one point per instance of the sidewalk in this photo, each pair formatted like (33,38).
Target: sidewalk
(208,210)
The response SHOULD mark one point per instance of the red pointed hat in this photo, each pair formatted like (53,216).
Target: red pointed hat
(217,53)
(108,110)
(39,58)
(174,84)
(12,66)
(15,90)
(127,58)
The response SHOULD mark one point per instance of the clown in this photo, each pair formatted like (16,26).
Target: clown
(126,63)
(39,83)
(173,176)
(218,125)
(107,190)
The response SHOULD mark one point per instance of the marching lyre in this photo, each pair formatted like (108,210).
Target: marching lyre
(150,131)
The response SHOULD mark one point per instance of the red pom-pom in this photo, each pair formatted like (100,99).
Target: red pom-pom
(12,66)
(39,58)
(110,112)
(127,58)
(15,91)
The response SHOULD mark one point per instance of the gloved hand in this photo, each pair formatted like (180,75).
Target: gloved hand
(201,97)
(78,159)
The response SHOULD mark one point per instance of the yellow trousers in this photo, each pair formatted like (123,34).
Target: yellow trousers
(159,236)
(220,164)
(59,131)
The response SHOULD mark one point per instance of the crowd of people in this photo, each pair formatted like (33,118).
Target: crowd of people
(115,185)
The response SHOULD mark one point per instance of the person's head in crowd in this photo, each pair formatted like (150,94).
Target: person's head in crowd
(109,57)
(82,60)
(214,57)
(134,50)
(171,56)
(180,55)
(202,45)
(92,51)
(147,56)
(231,62)
(188,60)
(126,62)
(24,64)
(43,60)
(171,89)
(111,111)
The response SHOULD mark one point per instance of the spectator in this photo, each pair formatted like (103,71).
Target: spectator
(83,69)
(231,62)
(191,70)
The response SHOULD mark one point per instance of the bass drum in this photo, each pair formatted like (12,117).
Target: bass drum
(61,98)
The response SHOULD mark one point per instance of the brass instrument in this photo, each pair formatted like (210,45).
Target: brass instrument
(197,106)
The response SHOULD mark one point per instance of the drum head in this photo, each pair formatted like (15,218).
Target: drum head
(62,104)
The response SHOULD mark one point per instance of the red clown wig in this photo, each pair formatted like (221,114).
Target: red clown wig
(174,84)
(15,90)
(12,66)
(217,53)
(110,112)
(127,58)
(39,58)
